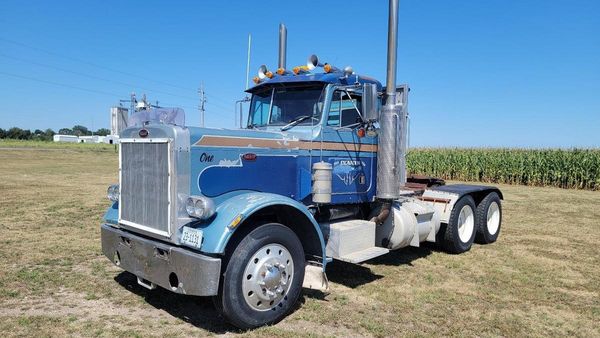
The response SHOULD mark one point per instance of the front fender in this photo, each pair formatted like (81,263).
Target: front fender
(112,214)
(217,233)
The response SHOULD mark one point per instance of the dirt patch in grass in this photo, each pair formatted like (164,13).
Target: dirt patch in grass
(541,278)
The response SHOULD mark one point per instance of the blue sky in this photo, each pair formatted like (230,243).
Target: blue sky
(482,73)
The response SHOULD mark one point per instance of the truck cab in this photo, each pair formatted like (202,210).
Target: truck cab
(249,216)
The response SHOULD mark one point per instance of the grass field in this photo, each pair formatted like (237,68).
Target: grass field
(541,278)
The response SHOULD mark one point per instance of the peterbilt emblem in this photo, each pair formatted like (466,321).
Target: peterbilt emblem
(143,133)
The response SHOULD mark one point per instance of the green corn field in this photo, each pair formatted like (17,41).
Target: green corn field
(564,168)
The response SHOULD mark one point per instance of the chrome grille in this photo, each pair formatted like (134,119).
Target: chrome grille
(144,201)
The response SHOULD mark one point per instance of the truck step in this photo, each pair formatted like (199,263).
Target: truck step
(364,255)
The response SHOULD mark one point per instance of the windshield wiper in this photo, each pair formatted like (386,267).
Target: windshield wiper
(296,121)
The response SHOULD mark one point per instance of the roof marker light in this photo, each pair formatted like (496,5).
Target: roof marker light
(300,69)
(329,68)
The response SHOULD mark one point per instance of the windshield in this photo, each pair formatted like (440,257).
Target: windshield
(280,106)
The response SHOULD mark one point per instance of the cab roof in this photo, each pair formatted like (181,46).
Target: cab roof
(314,78)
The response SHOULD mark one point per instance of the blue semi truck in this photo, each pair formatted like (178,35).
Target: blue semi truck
(249,216)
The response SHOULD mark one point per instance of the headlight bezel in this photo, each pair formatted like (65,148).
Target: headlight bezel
(200,207)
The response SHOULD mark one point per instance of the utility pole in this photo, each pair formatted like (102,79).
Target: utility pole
(202,102)
(132,103)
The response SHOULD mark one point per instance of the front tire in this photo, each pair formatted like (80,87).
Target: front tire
(457,236)
(263,277)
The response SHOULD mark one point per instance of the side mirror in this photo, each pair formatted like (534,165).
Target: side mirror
(370,107)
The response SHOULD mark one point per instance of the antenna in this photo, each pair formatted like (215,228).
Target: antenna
(202,102)
(246,98)
(248,63)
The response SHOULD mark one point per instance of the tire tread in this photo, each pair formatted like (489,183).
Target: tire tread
(482,235)
(450,240)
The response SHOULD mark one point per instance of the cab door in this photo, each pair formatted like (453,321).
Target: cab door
(351,155)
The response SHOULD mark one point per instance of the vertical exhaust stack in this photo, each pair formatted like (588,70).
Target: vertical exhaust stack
(282,45)
(391,170)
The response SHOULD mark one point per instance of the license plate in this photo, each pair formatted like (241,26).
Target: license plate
(192,237)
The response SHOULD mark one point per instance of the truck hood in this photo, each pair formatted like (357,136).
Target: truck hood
(251,138)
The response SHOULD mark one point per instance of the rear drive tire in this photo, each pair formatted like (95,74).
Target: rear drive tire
(489,219)
(457,236)
(263,277)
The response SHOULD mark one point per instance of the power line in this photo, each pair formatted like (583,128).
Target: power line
(94,77)
(107,68)
(60,84)
(218,98)
(86,89)
(188,108)
(90,63)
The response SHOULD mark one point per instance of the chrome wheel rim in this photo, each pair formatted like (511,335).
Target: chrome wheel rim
(466,223)
(493,218)
(267,277)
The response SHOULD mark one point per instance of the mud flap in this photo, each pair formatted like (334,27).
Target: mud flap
(315,278)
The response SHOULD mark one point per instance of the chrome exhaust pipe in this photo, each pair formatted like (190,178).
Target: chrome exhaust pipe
(390,87)
(391,169)
(282,45)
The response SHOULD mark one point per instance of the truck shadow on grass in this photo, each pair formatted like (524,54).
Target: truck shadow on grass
(354,275)
(200,311)
(197,311)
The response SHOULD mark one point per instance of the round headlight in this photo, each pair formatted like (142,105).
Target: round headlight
(189,206)
(200,208)
(113,192)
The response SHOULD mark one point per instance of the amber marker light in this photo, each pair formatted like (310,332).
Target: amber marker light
(256,79)
(300,69)
(281,71)
(236,221)
(327,68)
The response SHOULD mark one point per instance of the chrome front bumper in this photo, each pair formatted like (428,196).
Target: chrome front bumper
(155,263)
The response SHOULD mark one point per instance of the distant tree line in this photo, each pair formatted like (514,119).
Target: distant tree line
(47,135)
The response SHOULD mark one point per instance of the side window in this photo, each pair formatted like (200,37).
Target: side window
(342,111)
(260,115)
(334,110)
